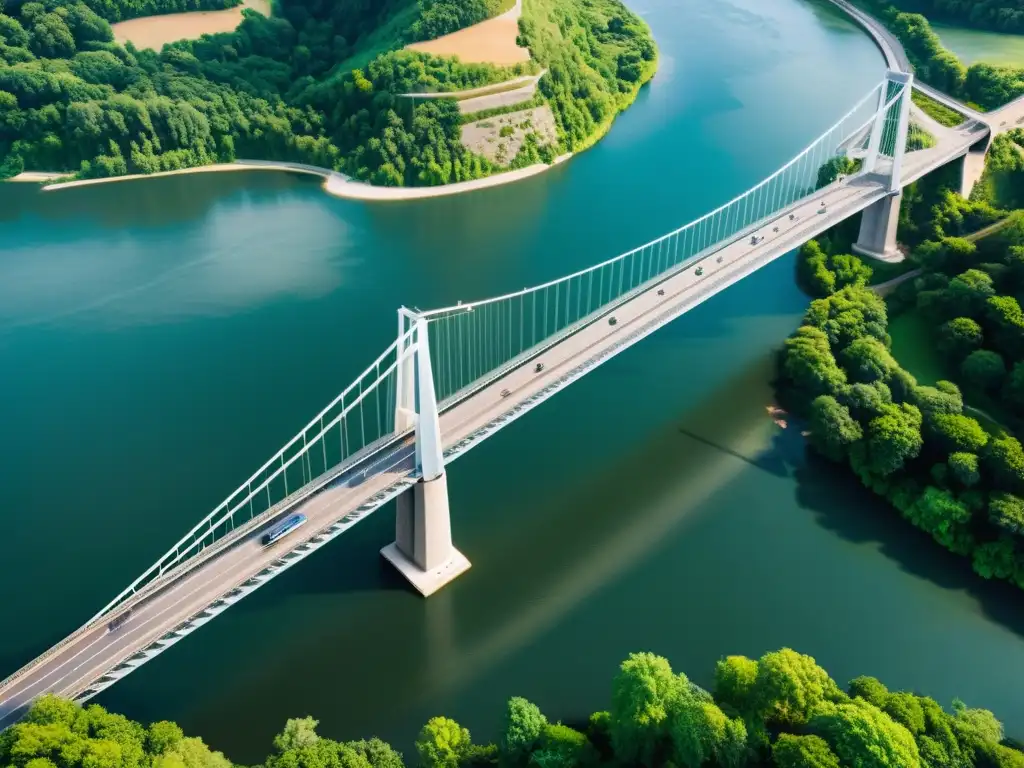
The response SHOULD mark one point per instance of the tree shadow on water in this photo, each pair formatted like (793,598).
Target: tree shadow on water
(843,506)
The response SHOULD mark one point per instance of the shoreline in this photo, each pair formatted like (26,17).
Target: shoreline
(335,184)
(38,177)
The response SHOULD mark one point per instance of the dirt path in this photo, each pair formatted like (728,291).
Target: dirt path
(155,31)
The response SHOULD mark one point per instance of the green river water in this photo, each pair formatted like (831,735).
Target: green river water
(974,45)
(159,339)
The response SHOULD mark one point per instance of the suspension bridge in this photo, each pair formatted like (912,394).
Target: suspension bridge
(454,376)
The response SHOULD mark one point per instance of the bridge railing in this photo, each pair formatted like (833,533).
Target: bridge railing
(474,342)
(362,415)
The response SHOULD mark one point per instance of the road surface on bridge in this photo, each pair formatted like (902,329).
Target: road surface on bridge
(176,603)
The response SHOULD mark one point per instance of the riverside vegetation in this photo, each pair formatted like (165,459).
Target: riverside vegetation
(782,709)
(981,85)
(317,83)
(946,456)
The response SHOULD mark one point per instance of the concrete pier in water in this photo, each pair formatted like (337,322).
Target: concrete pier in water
(422,550)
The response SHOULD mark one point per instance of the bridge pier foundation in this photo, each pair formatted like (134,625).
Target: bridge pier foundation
(877,237)
(422,550)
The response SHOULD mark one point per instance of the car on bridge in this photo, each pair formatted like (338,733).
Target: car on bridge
(282,529)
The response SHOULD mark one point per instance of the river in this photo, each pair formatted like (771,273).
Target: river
(978,45)
(159,339)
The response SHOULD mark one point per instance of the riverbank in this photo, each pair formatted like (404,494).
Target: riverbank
(335,183)
(39,176)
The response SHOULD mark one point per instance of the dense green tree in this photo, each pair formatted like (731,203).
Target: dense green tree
(959,433)
(1004,458)
(641,693)
(442,743)
(959,337)
(892,439)
(810,751)
(789,685)
(949,255)
(734,682)
(521,730)
(984,369)
(867,401)
(963,467)
(995,559)
(701,732)
(832,428)
(865,737)
(968,292)
(871,689)
(1007,323)
(849,314)
(867,360)
(298,733)
(945,517)
(943,398)
(561,747)
(379,754)
(1007,512)
(906,710)
(809,364)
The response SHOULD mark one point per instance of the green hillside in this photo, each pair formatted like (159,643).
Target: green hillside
(318,83)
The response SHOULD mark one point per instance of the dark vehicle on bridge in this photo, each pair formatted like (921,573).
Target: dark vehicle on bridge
(538,368)
(612,321)
(699,271)
(119,622)
(283,528)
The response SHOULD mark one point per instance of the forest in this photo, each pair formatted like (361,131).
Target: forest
(781,709)
(280,88)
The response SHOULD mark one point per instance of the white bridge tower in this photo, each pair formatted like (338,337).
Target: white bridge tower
(422,550)
(886,148)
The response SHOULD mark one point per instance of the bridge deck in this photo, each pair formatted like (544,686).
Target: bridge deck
(95,656)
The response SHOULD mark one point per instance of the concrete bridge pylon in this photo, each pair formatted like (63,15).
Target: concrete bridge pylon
(878,223)
(422,550)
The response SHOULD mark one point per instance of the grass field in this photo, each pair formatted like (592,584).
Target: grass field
(938,112)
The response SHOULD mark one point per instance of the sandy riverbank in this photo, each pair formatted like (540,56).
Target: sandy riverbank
(339,186)
(39,176)
(336,184)
(241,165)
